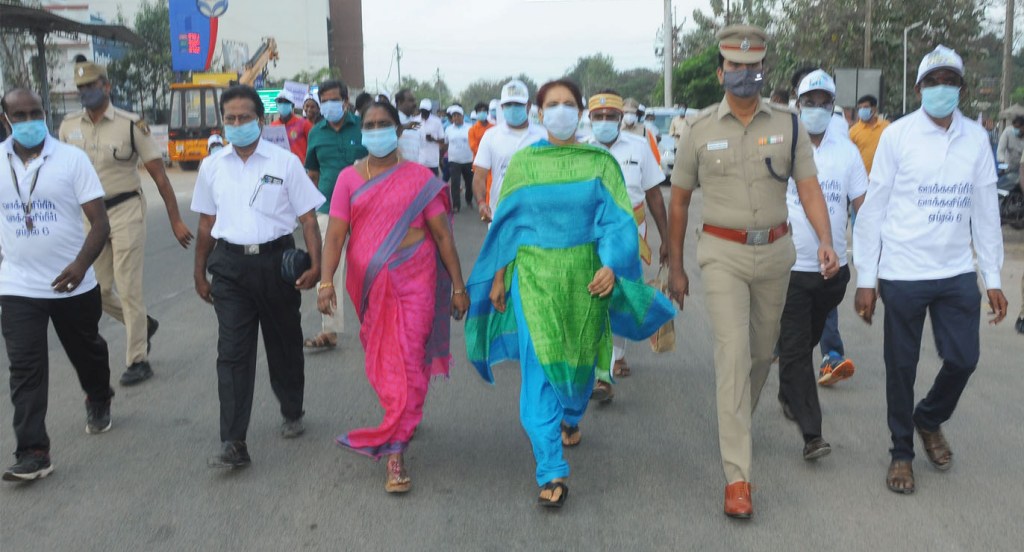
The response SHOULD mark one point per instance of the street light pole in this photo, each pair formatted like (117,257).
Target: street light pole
(668,51)
(906,30)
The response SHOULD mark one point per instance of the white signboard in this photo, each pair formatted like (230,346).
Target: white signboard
(296,91)
(277,135)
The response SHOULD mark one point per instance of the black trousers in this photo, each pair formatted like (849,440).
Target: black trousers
(809,300)
(461,172)
(954,305)
(248,295)
(76,320)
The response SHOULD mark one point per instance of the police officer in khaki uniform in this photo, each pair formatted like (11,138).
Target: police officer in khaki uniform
(741,153)
(115,141)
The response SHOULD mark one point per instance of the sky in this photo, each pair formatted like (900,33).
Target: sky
(465,39)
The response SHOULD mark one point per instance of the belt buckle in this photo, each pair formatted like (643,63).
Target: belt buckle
(252,249)
(758,237)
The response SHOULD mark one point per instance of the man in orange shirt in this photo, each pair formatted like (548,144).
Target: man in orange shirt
(866,132)
(476,133)
(296,127)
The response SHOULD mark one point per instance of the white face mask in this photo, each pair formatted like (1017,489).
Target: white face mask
(629,119)
(561,121)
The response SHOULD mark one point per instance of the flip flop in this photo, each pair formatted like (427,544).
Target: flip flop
(554,487)
(900,470)
(570,435)
(318,343)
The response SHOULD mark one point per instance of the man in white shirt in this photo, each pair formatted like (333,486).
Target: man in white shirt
(248,196)
(409,138)
(460,157)
(931,197)
(431,137)
(642,174)
(1011,145)
(811,297)
(47,274)
(500,143)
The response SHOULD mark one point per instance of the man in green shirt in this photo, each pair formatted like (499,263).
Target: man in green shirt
(334,143)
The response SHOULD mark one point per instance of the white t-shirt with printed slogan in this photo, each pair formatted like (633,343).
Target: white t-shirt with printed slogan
(34,258)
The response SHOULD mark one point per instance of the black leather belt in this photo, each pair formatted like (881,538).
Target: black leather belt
(119,199)
(280,244)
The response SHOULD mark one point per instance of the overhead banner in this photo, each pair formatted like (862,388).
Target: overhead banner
(194,32)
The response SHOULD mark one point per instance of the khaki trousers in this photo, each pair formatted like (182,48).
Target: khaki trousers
(745,288)
(119,273)
(332,323)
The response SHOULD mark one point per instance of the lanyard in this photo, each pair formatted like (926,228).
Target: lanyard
(26,206)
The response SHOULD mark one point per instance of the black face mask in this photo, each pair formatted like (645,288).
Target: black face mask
(92,97)
(743,83)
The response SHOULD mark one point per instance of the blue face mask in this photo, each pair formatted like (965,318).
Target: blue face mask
(605,131)
(332,110)
(940,101)
(243,135)
(515,114)
(482,117)
(380,142)
(30,133)
(493,114)
(815,119)
(864,113)
(285,109)
(1018,132)
(561,121)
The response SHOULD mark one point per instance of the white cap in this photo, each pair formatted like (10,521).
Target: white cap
(284,95)
(311,97)
(493,105)
(515,91)
(455,109)
(641,107)
(940,58)
(472,116)
(214,139)
(425,104)
(817,80)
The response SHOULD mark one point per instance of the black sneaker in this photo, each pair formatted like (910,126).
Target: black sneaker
(137,373)
(234,454)
(291,429)
(31,465)
(151,327)
(816,448)
(1020,325)
(97,416)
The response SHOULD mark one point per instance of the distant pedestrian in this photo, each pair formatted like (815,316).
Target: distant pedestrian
(633,123)
(297,128)
(460,157)
(930,211)
(311,110)
(47,275)
(867,131)
(409,138)
(431,137)
(1011,145)
(248,197)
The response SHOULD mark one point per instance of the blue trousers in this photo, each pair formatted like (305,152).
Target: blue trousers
(954,305)
(540,410)
(831,341)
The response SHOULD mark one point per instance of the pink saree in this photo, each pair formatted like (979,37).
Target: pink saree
(402,295)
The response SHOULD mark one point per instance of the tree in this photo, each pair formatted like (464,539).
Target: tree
(484,90)
(593,73)
(145,71)
(695,81)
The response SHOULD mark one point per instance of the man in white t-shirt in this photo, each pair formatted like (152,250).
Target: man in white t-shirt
(500,143)
(460,157)
(930,211)
(431,137)
(642,174)
(47,274)
(409,138)
(810,296)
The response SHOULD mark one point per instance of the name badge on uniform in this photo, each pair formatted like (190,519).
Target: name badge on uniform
(76,135)
(718,145)
(771,140)
(271,180)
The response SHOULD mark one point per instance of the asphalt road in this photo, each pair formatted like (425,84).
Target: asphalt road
(647,475)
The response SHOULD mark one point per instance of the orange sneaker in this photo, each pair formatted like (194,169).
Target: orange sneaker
(737,500)
(835,370)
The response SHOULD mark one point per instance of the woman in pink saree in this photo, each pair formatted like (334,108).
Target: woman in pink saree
(402,265)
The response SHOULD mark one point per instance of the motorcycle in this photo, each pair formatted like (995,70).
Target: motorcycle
(1011,199)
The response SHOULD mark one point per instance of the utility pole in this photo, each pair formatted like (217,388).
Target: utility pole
(1004,94)
(398,61)
(668,37)
(867,35)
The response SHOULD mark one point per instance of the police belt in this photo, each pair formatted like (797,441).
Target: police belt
(119,199)
(748,236)
(280,244)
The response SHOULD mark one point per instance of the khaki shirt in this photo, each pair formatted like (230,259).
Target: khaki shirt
(108,144)
(728,160)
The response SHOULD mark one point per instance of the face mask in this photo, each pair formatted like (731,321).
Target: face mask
(332,110)
(744,83)
(939,101)
(215,149)
(561,121)
(1018,132)
(30,133)
(92,97)
(482,117)
(605,131)
(864,113)
(284,110)
(629,119)
(243,135)
(515,114)
(380,142)
(816,119)
(493,114)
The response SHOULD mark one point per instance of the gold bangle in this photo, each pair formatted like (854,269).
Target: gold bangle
(324,285)
(459,291)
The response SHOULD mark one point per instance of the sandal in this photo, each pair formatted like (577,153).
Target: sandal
(900,478)
(621,369)
(570,435)
(936,448)
(397,481)
(320,342)
(554,489)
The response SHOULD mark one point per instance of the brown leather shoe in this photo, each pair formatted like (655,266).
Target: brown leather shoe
(737,500)
(936,448)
